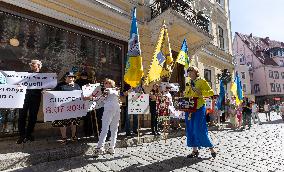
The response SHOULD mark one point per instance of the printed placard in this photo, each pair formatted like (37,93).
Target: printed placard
(58,105)
(138,103)
(31,80)
(92,89)
(208,104)
(12,96)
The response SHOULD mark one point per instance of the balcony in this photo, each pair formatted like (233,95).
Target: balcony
(183,22)
(183,8)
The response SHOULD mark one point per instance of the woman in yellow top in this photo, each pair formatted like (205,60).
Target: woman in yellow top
(196,128)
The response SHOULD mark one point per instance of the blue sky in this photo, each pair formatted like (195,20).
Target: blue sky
(262,18)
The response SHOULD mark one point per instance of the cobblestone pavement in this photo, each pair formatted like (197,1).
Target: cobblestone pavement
(257,149)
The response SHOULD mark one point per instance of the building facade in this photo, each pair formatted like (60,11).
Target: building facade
(260,64)
(92,35)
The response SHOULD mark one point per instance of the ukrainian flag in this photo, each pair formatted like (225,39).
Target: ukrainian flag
(162,59)
(221,95)
(237,90)
(134,67)
(182,57)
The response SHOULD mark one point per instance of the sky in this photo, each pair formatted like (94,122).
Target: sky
(262,18)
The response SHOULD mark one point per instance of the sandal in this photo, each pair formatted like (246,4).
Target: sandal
(194,154)
(63,141)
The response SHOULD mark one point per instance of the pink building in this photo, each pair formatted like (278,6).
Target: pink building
(260,64)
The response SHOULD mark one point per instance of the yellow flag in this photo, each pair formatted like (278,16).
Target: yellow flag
(162,59)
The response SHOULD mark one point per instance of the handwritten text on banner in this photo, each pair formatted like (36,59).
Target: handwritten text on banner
(12,96)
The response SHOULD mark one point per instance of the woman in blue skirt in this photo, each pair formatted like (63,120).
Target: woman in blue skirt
(196,128)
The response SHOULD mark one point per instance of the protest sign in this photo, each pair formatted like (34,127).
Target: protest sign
(92,89)
(12,96)
(31,80)
(58,105)
(208,103)
(138,103)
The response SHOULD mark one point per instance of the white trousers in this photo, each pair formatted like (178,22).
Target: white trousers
(255,115)
(110,121)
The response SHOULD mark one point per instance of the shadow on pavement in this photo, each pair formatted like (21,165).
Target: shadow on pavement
(166,165)
(278,121)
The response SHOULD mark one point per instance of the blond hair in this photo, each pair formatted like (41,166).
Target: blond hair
(110,81)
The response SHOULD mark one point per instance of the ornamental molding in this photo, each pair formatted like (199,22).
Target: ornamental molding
(26,4)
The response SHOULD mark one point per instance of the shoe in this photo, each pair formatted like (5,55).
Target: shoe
(111,151)
(153,133)
(193,154)
(74,139)
(98,151)
(260,123)
(213,154)
(21,140)
(157,133)
(30,138)
(63,141)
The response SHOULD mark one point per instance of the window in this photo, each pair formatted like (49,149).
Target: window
(220,2)
(257,89)
(242,60)
(221,38)
(278,88)
(272,85)
(207,76)
(282,75)
(251,76)
(281,63)
(244,88)
(270,74)
(243,75)
(276,75)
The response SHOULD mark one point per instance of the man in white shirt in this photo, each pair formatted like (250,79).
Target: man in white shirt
(255,112)
(267,111)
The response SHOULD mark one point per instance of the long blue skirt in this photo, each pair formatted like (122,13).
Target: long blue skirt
(196,129)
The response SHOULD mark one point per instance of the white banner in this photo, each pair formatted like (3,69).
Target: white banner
(138,103)
(58,105)
(31,80)
(12,96)
(174,86)
(92,89)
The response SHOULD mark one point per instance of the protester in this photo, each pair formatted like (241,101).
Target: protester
(67,85)
(31,104)
(88,120)
(246,113)
(267,111)
(254,113)
(196,128)
(154,93)
(233,113)
(110,119)
(239,115)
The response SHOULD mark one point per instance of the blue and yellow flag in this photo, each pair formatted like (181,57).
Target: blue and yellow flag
(162,59)
(221,97)
(237,90)
(182,57)
(133,67)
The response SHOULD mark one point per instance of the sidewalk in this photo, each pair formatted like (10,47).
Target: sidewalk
(49,149)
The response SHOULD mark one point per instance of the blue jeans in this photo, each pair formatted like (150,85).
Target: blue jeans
(127,122)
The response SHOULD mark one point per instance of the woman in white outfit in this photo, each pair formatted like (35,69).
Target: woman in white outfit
(110,119)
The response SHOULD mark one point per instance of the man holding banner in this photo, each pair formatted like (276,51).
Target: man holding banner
(31,104)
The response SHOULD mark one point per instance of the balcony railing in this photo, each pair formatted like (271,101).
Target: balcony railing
(184,8)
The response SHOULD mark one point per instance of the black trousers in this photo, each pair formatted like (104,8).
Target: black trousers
(99,115)
(31,105)
(88,125)
(154,120)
